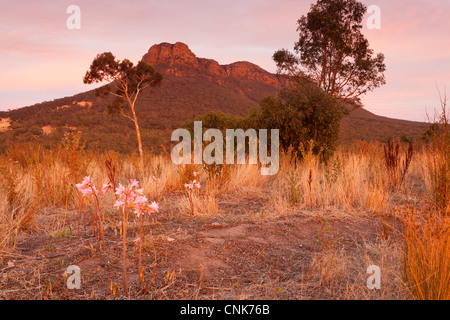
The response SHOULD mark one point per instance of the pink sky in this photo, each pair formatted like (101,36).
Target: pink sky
(41,60)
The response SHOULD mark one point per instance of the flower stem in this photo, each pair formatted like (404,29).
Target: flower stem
(79,220)
(140,250)
(100,226)
(124,227)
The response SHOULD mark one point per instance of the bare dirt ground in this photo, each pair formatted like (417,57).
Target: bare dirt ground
(235,255)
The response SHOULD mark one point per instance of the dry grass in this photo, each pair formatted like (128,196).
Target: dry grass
(353,184)
(427,254)
(351,180)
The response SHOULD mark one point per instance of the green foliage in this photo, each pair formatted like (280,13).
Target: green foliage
(333,52)
(36,131)
(124,76)
(302,114)
(72,142)
(404,139)
(127,79)
(215,120)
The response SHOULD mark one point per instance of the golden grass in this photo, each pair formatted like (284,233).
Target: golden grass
(354,181)
(16,213)
(427,254)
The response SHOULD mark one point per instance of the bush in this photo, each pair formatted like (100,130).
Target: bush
(302,114)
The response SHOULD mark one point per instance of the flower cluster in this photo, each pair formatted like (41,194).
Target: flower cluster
(134,197)
(193,184)
(127,197)
(86,187)
(132,194)
(141,206)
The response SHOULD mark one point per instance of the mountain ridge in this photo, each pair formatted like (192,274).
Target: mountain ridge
(169,57)
(191,87)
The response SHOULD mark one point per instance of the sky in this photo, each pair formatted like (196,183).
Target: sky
(41,59)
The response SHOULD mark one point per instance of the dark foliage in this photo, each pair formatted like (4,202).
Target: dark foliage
(333,52)
(302,114)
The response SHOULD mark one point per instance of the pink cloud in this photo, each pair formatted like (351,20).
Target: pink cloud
(38,52)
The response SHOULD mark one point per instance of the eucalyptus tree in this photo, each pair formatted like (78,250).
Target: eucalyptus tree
(125,81)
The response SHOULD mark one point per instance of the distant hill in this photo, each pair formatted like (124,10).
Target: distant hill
(191,87)
(364,125)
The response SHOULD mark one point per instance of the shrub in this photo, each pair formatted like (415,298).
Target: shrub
(395,166)
(302,114)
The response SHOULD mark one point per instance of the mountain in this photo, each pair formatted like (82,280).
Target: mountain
(192,86)
(364,125)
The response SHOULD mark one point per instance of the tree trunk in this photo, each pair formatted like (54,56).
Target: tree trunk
(138,134)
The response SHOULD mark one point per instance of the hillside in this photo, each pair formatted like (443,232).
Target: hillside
(364,125)
(191,87)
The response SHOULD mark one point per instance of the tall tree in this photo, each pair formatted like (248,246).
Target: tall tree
(125,81)
(333,52)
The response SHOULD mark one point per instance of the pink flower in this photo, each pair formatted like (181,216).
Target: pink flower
(138,211)
(120,191)
(119,203)
(135,197)
(85,184)
(105,188)
(85,191)
(130,191)
(134,184)
(130,195)
(193,184)
(87,180)
(140,200)
(139,204)
(154,206)
(156,179)
(86,187)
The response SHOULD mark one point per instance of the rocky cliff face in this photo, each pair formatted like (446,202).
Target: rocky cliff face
(170,54)
(177,59)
